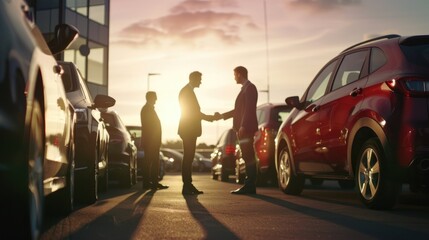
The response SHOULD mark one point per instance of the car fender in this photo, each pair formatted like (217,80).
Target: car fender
(356,140)
(280,140)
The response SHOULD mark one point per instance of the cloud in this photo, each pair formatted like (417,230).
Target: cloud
(318,6)
(202,5)
(190,23)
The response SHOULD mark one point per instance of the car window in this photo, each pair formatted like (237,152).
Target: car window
(135,132)
(261,115)
(418,53)
(377,59)
(279,114)
(222,138)
(69,84)
(84,87)
(350,69)
(319,85)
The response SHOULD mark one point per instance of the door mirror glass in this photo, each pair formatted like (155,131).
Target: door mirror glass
(65,34)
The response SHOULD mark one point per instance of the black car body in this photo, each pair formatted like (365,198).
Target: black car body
(36,141)
(226,157)
(270,117)
(91,136)
(122,150)
(201,163)
(175,159)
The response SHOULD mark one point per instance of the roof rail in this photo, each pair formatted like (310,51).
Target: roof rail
(389,36)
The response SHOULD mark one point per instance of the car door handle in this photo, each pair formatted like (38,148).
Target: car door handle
(355,92)
(315,109)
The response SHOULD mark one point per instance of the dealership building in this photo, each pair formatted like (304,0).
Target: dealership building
(90,52)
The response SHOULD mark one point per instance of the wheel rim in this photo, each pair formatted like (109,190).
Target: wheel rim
(369,174)
(35,172)
(285,170)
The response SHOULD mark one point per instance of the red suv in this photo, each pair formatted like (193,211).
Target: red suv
(363,119)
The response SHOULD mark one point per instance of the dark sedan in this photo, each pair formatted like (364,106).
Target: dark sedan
(226,158)
(91,136)
(136,133)
(122,150)
(36,141)
(270,117)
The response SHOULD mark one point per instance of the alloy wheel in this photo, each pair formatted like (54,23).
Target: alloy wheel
(369,173)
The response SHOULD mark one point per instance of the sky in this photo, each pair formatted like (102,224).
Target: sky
(154,45)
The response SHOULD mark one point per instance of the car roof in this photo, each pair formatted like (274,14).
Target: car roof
(271,105)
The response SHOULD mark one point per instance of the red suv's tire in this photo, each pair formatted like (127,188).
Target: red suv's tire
(289,182)
(375,185)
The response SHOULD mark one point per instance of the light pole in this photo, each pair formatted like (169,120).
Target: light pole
(267,54)
(148,78)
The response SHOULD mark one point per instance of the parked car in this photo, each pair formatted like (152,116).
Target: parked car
(36,121)
(122,150)
(201,163)
(226,158)
(270,117)
(175,159)
(363,120)
(91,136)
(135,132)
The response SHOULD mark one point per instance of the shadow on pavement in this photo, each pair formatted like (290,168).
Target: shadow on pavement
(212,227)
(364,226)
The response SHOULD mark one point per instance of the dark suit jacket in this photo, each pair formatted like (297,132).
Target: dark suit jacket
(151,128)
(244,112)
(191,115)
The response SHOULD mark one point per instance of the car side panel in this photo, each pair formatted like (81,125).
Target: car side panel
(337,112)
(305,139)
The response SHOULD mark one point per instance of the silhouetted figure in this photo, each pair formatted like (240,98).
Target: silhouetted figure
(190,129)
(151,143)
(245,124)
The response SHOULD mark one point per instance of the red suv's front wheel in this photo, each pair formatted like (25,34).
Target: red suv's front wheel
(289,182)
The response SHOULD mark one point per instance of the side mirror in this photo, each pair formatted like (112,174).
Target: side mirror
(103,101)
(65,34)
(293,102)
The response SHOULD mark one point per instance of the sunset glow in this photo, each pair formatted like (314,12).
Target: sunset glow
(176,37)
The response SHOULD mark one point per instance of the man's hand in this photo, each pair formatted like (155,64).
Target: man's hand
(217,116)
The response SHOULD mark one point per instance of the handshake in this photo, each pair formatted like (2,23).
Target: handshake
(215,117)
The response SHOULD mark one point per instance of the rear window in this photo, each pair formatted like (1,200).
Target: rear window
(279,114)
(416,50)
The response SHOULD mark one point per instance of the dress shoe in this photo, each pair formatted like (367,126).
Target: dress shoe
(195,190)
(246,189)
(159,186)
(188,191)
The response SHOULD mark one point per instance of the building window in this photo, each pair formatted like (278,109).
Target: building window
(97,13)
(97,64)
(80,6)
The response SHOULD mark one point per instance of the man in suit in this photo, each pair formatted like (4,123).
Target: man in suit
(190,129)
(151,143)
(245,124)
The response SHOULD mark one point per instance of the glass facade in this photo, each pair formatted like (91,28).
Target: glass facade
(90,51)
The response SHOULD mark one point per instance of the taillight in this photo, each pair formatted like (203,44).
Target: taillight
(229,149)
(410,86)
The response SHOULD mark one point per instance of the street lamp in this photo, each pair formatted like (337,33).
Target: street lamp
(267,53)
(148,78)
